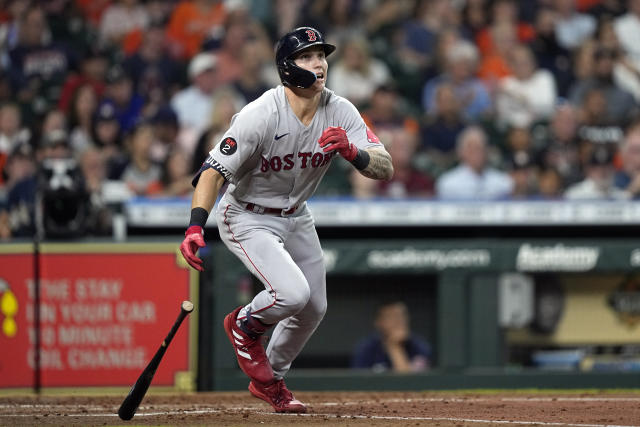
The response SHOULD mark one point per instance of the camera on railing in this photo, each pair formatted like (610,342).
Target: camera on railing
(64,200)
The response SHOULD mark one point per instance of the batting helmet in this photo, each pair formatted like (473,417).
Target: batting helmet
(292,43)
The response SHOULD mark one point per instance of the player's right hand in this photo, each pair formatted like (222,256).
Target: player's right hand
(193,240)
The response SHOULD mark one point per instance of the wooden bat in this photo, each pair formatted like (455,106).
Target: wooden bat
(132,401)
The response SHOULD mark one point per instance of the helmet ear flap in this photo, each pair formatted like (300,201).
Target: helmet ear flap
(292,75)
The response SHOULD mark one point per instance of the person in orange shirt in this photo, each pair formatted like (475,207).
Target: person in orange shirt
(190,24)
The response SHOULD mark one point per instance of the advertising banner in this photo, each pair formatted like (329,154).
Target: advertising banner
(103,314)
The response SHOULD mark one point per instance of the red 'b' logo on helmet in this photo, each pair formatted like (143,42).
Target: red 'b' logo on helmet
(312,35)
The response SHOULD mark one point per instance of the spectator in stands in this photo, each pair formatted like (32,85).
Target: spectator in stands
(392,347)
(60,14)
(12,133)
(119,19)
(407,181)
(560,148)
(626,72)
(155,75)
(190,23)
(239,29)
(628,178)
(572,27)
(595,127)
(226,103)
(251,82)
(38,66)
(17,206)
(473,178)
(421,33)
(356,74)
(627,28)
(141,174)
(93,69)
(55,120)
(524,175)
(461,59)
(495,65)
(175,178)
(386,111)
(527,96)
(82,109)
(106,135)
(504,14)
(94,172)
(548,52)
(338,19)
(550,184)
(193,104)
(620,104)
(165,131)
(119,93)
(598,183)
(474,17)
(441,129)
(93,10)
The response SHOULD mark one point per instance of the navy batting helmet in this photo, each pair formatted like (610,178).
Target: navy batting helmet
(292,43)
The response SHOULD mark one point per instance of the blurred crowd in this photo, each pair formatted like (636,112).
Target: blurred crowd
(474,99)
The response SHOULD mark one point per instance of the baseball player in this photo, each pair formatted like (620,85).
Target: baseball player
(273,156)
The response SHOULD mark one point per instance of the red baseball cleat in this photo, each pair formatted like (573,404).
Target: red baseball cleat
(277,395)
(249,351)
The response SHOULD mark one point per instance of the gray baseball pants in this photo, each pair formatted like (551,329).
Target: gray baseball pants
(284,253)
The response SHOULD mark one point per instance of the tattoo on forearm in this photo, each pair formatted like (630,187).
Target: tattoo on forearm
(379,165)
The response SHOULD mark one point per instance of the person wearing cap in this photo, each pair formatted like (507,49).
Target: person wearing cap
(107,135)
(120,94)
(193,104)
(598,183)
(165,131)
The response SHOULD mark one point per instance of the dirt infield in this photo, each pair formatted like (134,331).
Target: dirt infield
(334,408)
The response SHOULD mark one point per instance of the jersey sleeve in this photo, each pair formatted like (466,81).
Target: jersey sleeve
(357,131)
(237,145)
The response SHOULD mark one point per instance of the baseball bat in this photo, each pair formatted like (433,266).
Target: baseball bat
(132,401)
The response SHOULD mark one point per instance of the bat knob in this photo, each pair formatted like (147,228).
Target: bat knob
(187,306)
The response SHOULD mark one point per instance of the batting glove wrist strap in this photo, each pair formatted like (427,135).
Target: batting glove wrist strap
(198,217)
(361,160)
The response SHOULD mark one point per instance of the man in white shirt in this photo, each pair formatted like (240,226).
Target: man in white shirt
(572,27)
(194,103)
(599,182)
(473,179)
(627,28)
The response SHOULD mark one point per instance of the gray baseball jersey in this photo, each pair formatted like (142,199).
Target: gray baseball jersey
(272,160)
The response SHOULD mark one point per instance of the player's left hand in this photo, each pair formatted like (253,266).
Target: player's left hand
(335,139)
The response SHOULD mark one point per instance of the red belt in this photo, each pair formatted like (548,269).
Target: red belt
(270,211)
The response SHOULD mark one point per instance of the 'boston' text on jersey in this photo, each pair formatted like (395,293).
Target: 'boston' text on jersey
(286,162)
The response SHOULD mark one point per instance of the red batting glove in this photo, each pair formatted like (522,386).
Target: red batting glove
(335,139)
(194,239)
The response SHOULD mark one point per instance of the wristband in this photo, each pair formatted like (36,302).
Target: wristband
(361,160)
(199,217)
